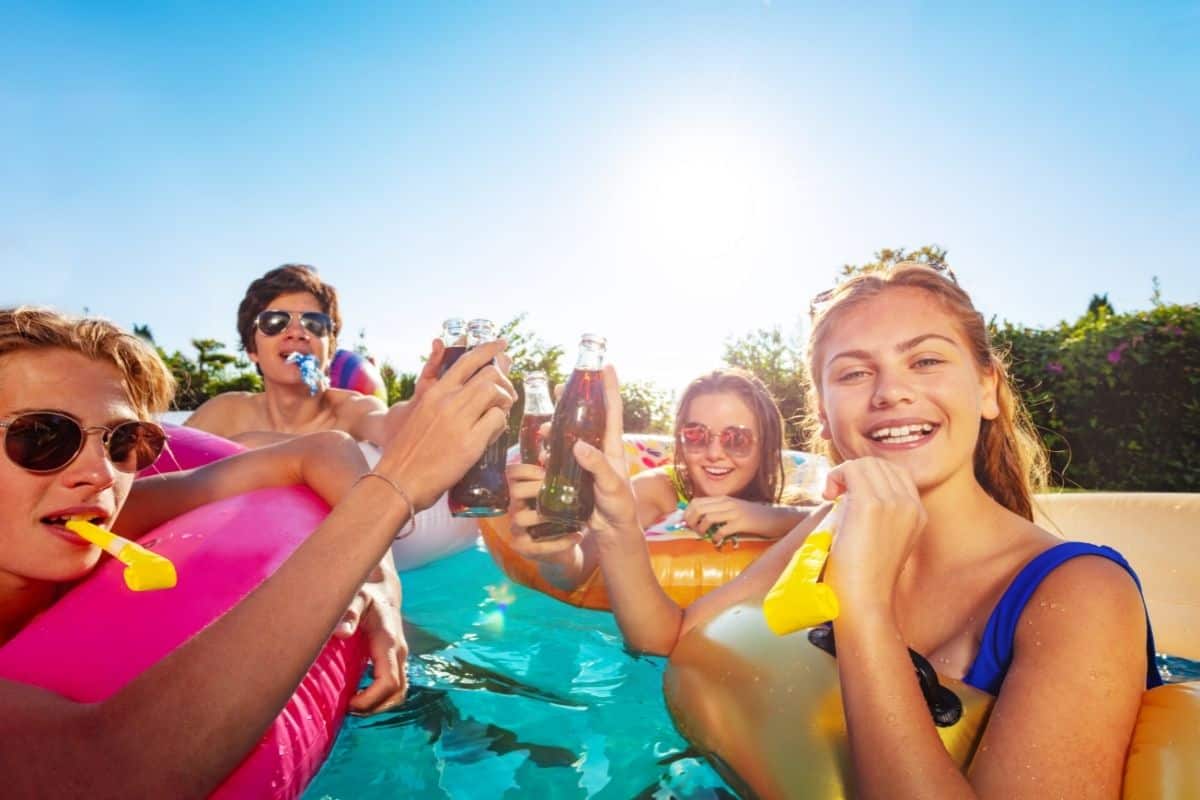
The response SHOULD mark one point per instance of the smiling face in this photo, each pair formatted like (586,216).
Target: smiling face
(34,545)
(713,470)
(271,352)
(898,381)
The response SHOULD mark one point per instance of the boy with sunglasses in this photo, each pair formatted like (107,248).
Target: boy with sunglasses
(290,313)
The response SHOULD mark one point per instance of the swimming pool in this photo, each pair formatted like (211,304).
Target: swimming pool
(514,694)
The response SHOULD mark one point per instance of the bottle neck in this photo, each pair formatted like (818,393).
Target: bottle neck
(537,399)
(591,358)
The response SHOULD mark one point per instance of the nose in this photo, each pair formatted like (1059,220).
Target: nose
(92,467)
(891,389)
(294,328)
(714,450)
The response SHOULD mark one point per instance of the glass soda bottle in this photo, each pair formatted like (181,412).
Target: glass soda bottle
(454,337)
(483,490)
(539,409)
(566,497)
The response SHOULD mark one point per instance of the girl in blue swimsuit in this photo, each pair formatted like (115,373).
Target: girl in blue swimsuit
(935,550)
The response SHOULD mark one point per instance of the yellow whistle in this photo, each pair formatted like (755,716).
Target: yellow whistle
(798,600)
(144,571)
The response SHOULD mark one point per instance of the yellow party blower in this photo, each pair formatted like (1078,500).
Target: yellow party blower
(798,600)
(144,571)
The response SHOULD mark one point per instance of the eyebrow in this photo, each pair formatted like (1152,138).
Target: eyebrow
(903,347)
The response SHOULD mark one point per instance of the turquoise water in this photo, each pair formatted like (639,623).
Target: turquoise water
(532,699)
(514,694)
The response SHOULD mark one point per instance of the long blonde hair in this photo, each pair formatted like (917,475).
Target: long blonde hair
(146,379)
(1010,461)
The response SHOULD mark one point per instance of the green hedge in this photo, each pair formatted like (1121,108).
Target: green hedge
(1115,396)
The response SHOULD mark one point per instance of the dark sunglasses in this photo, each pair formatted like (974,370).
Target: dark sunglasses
(273,323)
(735,440)
(821,298)
(47,441)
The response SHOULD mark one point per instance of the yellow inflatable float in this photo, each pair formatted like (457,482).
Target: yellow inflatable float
(687,565)
(767,712)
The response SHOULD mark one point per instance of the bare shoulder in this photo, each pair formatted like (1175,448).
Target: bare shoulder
(350,406)
(1083,591)
(655,493)
(227,414)
(1068,704)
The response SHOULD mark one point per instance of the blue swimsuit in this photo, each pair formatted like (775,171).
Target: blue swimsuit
(996,649)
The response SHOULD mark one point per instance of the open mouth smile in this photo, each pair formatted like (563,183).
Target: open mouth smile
(903,434)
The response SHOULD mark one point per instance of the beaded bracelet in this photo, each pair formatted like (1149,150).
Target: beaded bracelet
(412,510)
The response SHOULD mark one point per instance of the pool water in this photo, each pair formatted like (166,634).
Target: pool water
(514,694)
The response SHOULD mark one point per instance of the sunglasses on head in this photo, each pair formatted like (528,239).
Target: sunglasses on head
(47,441)
(735,440)
(273,323)
(821,298)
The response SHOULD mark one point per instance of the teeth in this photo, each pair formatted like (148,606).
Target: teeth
(902,434)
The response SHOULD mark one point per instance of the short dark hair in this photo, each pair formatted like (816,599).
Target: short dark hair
(285,280)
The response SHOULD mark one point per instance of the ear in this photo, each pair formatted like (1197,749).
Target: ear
(253,356)
(825,433)
(989,397)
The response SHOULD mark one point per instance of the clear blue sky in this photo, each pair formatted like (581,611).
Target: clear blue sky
(668,174)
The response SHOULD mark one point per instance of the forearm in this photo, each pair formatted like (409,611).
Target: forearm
(895,749)
(782,518)
(322,461)
(649,619)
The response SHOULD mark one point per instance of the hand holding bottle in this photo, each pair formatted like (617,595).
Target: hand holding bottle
(615,505)
(449,426)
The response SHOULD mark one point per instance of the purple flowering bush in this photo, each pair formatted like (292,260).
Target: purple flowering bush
(1116,397)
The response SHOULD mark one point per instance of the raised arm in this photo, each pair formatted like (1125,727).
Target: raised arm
(378,424)
(184,724)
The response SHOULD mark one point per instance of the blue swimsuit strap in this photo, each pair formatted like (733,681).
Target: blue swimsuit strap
(996,650)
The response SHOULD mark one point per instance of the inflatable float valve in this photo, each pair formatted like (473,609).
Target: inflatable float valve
(144,571)
(798,600)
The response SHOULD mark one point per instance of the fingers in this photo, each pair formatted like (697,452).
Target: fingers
(504,362)
(606,478)
(389,684)
(433,364)
(614,446)
(539,549)
(524,482)
(349,621)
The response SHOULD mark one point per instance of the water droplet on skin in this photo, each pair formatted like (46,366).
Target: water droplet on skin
(1038,643)
(1042,603)
(891,717)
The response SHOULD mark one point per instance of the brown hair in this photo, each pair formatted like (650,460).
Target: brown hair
(767,484)
(146,379)
(1010,462)
(286,279)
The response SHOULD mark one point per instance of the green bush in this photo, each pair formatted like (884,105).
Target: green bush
(1115,396)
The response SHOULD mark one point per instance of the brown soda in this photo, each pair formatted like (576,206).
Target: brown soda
(566,498)
(483,490)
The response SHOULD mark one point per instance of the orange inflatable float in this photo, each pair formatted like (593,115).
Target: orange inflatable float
(767,710)
(687,565)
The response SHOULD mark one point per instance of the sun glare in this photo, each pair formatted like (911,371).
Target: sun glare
(696,195)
